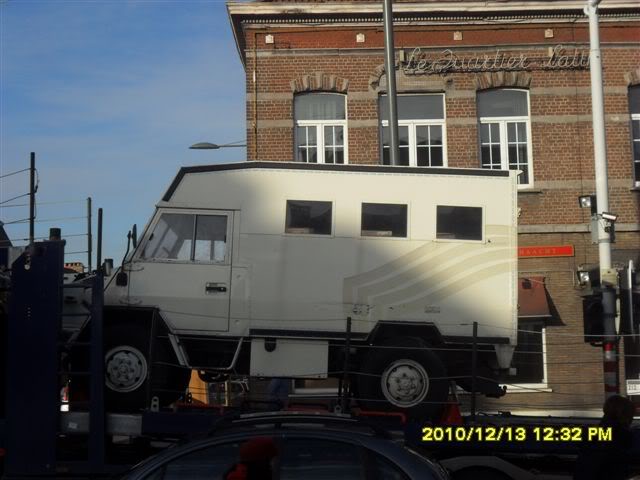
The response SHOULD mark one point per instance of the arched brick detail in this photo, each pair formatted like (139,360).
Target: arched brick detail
(633,77)
(319,81)
(488,80)
(374,79)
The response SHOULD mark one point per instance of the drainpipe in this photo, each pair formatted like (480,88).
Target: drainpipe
(255,95)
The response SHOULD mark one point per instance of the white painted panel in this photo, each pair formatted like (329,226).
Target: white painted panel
(291,358)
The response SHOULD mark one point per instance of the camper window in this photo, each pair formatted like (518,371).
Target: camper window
(308,217)
(458,223)
(384,220)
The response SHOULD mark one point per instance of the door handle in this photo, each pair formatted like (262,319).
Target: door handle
(215,287)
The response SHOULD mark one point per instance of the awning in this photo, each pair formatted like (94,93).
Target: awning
(532,298)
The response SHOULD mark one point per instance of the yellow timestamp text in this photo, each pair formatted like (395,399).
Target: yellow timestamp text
(522,433)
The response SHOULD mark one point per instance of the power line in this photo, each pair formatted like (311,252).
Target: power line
(14,198)
(15,173)
(45,203)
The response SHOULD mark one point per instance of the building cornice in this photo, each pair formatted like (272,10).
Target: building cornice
(278,14)
(350,8)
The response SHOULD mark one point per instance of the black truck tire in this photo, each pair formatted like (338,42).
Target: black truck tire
(128,369)
(411,378)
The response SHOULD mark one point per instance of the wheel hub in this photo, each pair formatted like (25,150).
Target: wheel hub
(125,368)
(405,383)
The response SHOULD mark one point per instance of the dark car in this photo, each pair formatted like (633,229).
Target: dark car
(309,447)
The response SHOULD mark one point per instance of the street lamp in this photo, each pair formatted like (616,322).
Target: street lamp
(214,146)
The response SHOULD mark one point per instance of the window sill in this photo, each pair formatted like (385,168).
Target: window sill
(635,189)
(528,388)
(529,190)
(515,388)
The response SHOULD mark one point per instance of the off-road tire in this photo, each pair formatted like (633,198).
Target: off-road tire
(385,370)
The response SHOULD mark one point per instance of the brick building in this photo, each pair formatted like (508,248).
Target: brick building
(481,84)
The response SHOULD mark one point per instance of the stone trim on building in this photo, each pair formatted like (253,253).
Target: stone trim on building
(633,77)
(487,80)
(319,81)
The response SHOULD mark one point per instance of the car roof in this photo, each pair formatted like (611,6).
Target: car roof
(281,425)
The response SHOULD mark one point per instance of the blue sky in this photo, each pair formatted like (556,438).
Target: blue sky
(110,94)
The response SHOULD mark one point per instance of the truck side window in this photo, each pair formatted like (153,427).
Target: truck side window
(459,223)
(171,238)
(211,238)
(384,220)
(188,237)
(309,217)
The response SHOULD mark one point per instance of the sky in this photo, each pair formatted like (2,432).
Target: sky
(109,94)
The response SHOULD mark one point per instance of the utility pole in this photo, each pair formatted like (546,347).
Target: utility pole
(32,198)
(89,236)
(608,275)
(390,69)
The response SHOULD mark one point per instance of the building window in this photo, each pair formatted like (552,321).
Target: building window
(634,108)
(505,132)
(384,220)
(421,130)
(529,356)
(458,223)
(307,217)
(321,128)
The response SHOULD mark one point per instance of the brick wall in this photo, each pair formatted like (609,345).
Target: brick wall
(562,151)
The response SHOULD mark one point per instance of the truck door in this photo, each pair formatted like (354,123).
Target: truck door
(183,266)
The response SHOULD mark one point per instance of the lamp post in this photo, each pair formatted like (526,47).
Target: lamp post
(608,275)
(215,146)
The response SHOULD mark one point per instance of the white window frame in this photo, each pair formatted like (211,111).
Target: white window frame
(319,125)
(543,385)
(635,143)
(412,124)
(413,147)
(504,145)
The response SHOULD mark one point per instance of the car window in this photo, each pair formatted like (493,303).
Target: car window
(317,459)
(209,463)
(383,469)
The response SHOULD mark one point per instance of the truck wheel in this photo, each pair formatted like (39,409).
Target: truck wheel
(128,369)
(403,379)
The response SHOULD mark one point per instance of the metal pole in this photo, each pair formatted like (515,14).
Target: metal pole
(89,238)
(96,385)
(32,198)
(390,69)
(345,370)
(99,245)
(608,276)
(474,370)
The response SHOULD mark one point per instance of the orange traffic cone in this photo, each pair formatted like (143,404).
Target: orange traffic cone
(451,414)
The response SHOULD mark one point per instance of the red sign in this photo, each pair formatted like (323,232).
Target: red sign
(546,251)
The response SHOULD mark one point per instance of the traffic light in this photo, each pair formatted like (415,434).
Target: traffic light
(592,317)
(629,300)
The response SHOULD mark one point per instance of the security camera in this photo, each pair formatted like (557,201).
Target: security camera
(611,217)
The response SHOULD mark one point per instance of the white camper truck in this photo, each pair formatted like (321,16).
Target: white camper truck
(254,268)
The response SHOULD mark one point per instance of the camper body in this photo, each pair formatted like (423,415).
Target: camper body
(266,268)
